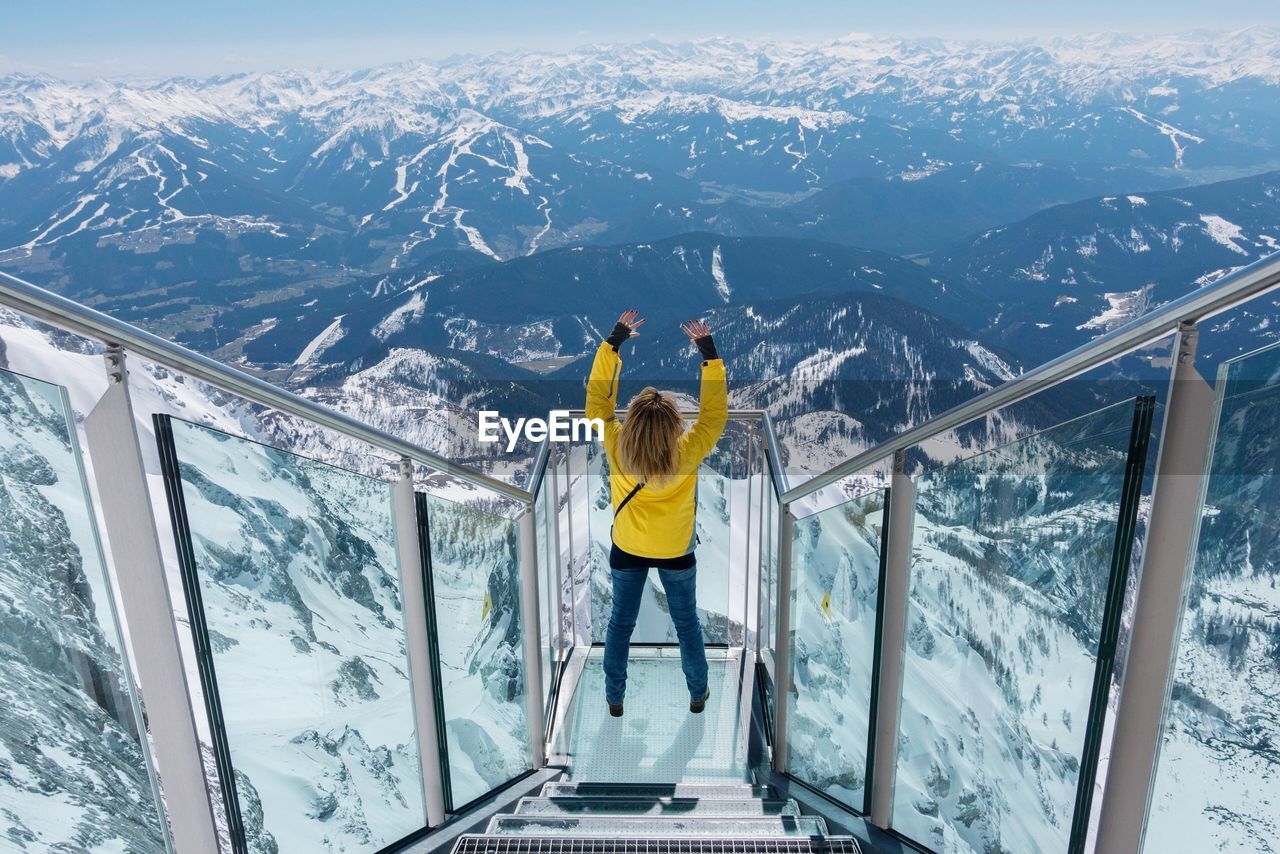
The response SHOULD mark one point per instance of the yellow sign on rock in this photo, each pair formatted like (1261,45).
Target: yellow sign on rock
(826,604)
(488,606)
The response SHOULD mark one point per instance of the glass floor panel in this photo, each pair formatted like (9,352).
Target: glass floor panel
(657,740)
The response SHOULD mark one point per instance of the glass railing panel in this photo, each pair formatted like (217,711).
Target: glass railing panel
(566,525)
(599,519)
(836,569)
(293,588)
(731,524)
(548,581)
(475,599)
(721,548)
(74,768)
(579,546)
(1218,775)
(1019,561)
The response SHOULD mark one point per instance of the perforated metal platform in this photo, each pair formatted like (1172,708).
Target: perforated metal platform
(657,740)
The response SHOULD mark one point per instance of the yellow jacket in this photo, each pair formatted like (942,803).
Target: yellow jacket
(658,522)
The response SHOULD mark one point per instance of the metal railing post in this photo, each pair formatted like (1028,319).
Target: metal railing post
(782,642)
(1175,510)
(557,564)
(758,581)
(748,553)
(414,598)
(528,556)
(134,542)
(892,633)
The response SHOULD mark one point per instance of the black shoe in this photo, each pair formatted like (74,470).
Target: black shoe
(615,709)
(696,706)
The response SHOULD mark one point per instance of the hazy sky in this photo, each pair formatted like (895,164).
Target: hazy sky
(168,37)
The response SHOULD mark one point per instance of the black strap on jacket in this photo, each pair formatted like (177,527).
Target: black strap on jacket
(630,495)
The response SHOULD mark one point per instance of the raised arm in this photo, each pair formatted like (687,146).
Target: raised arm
(606,368)
(713,396)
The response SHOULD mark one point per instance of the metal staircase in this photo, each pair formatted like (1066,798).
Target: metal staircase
(600,818)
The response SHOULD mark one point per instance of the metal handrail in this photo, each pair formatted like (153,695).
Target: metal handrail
(776,469)
(1224,294)
(539,468)
(67,314)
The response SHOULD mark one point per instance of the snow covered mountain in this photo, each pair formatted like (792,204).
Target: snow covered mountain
(1073,272)
(560,302)
(813,331)
(287,177)
(413,242)
(311,225)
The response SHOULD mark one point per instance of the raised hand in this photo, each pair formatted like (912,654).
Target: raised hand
(632,320)
(700,334)
(695,329)
(625,328)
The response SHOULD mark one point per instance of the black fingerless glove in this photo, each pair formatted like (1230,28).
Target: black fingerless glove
(707,348)
(621,332)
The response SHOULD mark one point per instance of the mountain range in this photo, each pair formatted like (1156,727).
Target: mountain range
(470,226)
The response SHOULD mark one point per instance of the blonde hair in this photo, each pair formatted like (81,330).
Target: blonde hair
(649,441)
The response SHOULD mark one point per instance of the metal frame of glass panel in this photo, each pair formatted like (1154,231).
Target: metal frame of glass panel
(542,484)
(547,627)
(734,458)
(200,635)
(1121,565)
(873,718)
(433,634)
(768,580)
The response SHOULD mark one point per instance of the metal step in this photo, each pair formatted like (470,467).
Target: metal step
(486,844)
(614,827)
(678,807)
(704,791)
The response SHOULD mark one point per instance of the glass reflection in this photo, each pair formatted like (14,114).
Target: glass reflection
(475,581)
(74,774)
(291,564)
(835,582)
(1011,578)
(1219,768)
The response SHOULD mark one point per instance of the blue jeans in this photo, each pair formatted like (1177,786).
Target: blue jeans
(680,586)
